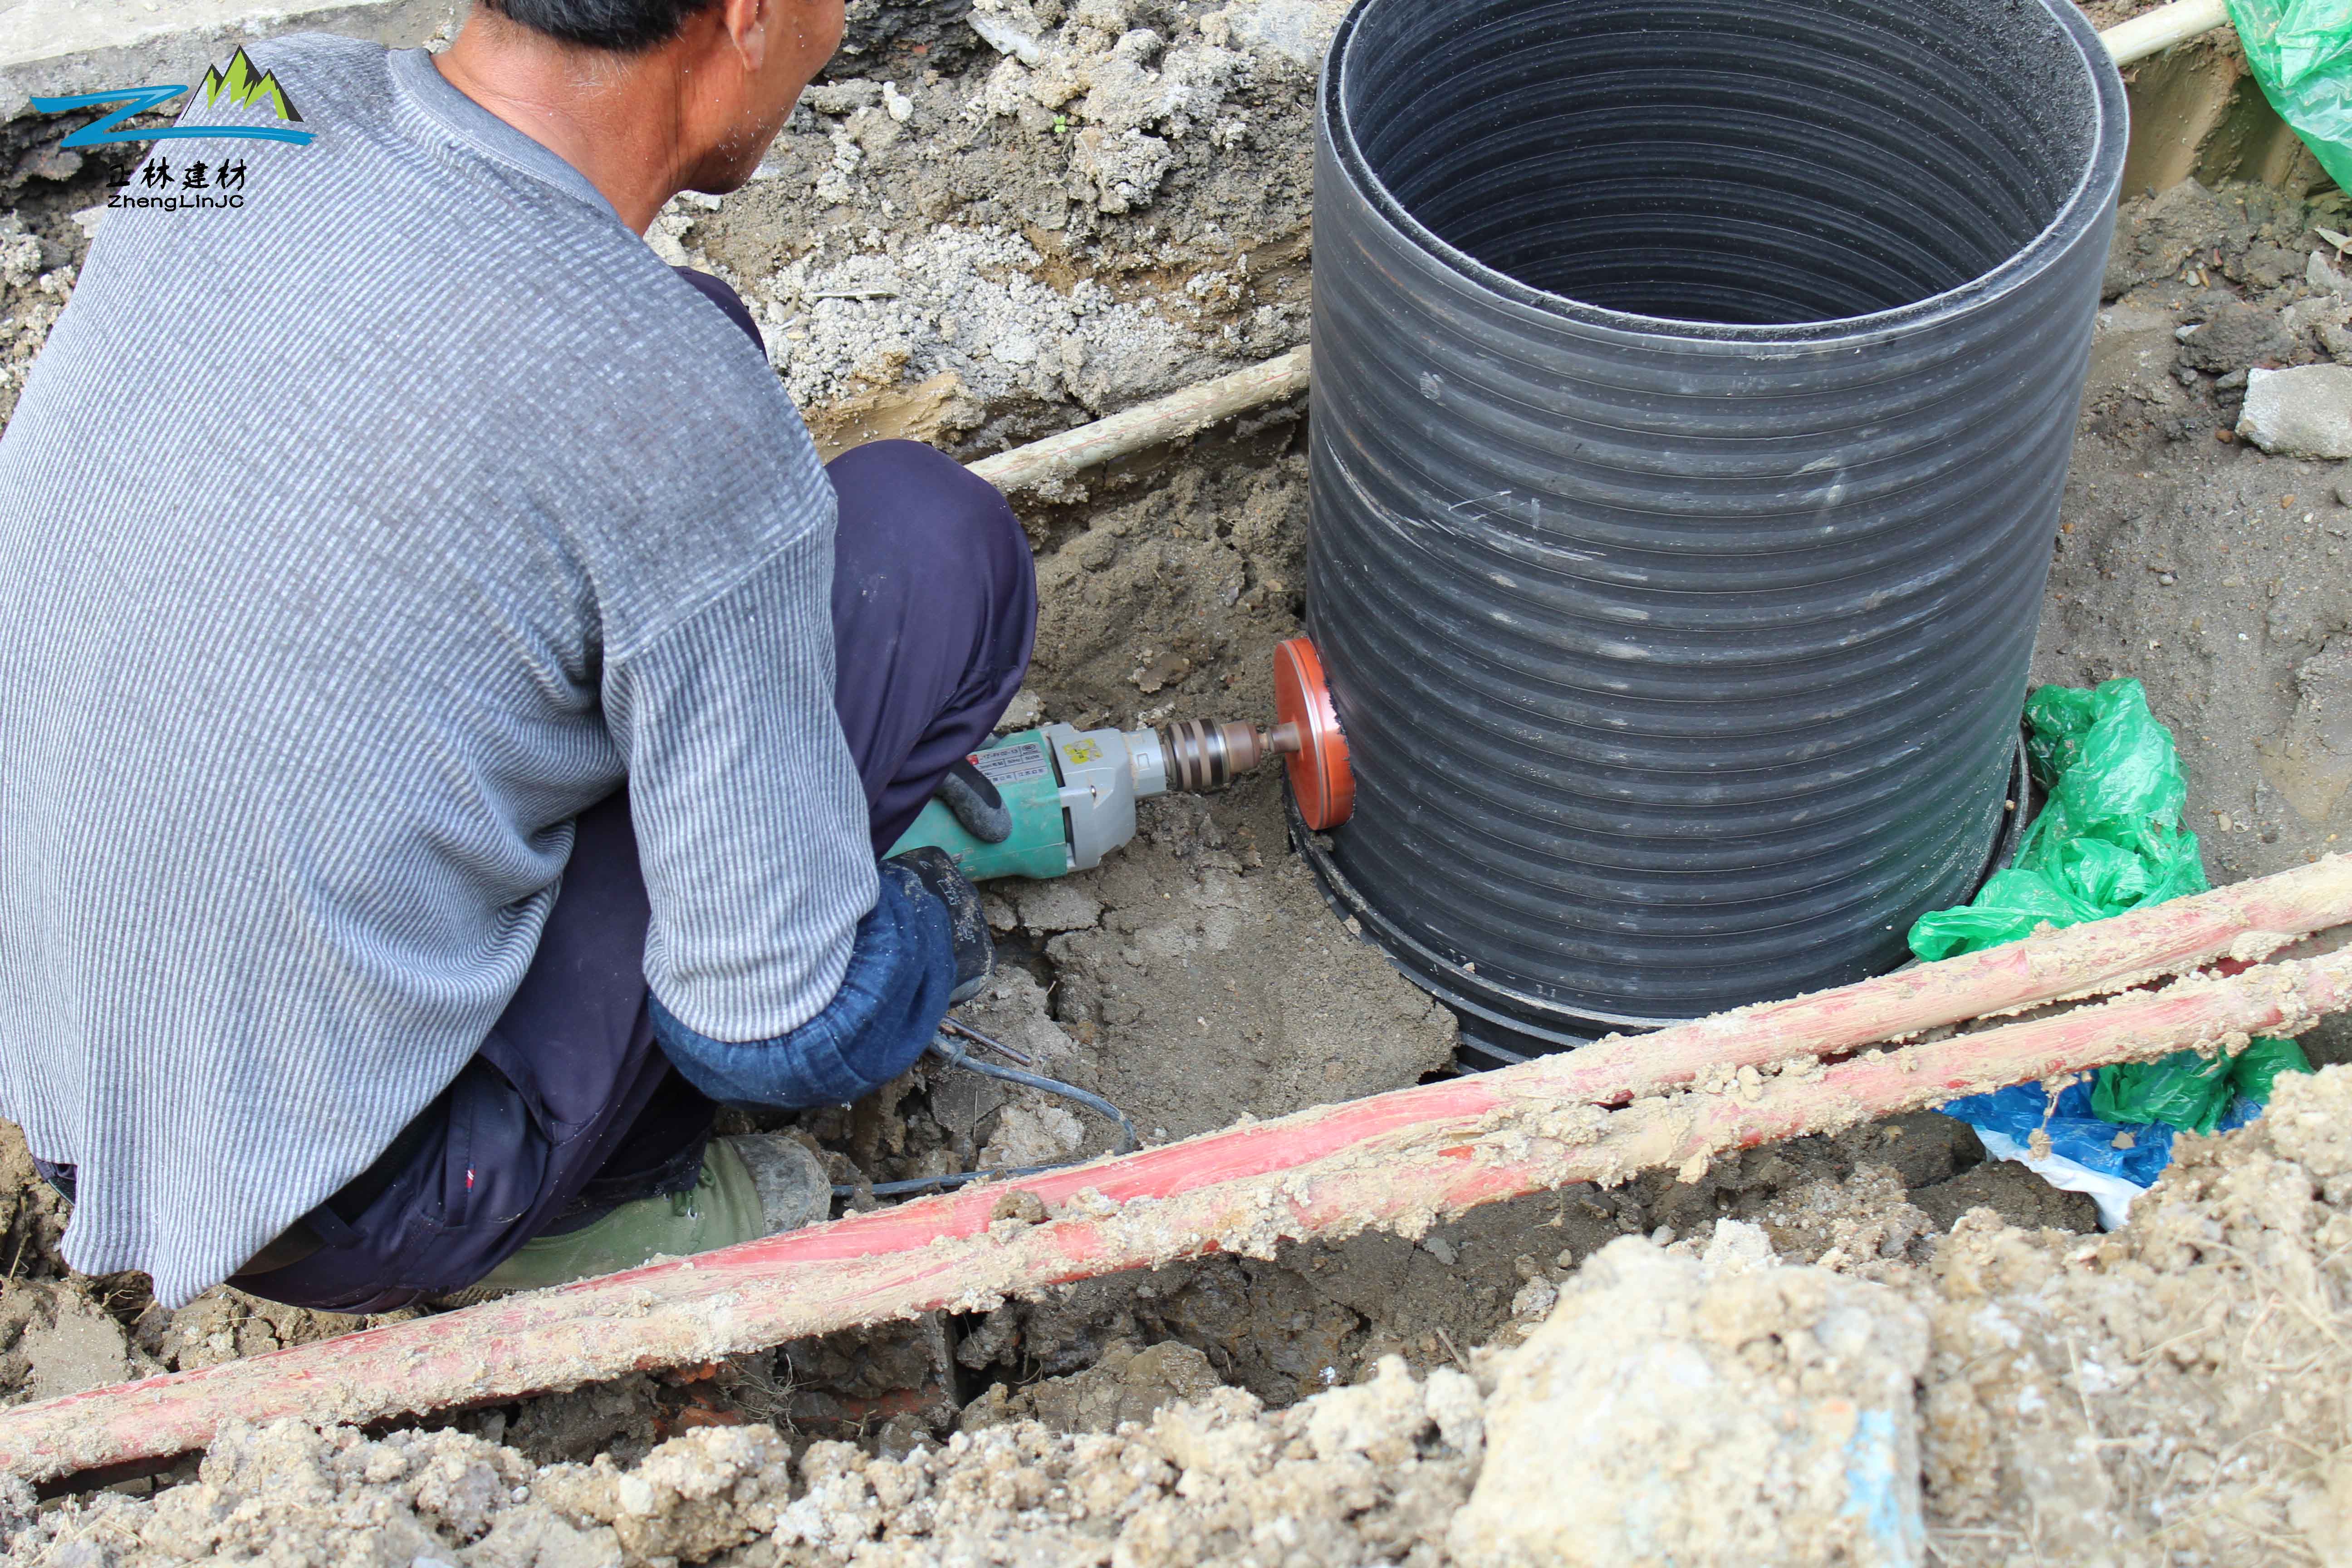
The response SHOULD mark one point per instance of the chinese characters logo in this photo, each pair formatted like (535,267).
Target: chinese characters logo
(193,186)
(156,174)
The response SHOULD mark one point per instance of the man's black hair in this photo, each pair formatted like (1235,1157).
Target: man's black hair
(623,26)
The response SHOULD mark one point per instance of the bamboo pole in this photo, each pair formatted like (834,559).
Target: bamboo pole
(1179,414)
(1396,1161)
(2153,32)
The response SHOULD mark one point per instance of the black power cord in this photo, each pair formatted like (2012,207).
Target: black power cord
(952,1051)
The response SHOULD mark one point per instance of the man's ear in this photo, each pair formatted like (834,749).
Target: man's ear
(749,25)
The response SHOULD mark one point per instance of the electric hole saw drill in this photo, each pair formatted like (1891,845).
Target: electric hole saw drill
(1071,792)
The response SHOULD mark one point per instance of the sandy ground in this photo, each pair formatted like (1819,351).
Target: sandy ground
(1120,207)
(2211,570)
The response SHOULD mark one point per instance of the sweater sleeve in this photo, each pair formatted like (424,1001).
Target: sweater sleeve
(901,968)
(751,823)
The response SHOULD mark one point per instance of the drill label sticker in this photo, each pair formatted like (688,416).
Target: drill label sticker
(1081,751)
(1002,766)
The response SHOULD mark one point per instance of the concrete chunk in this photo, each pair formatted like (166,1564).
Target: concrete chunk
(2305,412)
(1669,1414)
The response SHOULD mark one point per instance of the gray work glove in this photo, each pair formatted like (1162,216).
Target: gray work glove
(968,793)
(975,950)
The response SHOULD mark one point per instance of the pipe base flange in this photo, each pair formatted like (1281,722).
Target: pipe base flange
(1500,1026)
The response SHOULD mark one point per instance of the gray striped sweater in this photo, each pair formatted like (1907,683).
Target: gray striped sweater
(352,542)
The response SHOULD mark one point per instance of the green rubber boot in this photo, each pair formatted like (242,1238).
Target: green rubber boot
(751,1187)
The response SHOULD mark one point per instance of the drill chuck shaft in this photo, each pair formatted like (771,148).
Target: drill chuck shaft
(1202,756)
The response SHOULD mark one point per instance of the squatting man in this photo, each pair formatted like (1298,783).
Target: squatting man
(449,716)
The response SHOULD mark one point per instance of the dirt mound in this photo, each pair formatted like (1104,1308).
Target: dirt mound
(1102,202)
(2181,1384)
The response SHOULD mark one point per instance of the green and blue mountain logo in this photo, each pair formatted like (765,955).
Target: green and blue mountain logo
(243,83)
(246,87)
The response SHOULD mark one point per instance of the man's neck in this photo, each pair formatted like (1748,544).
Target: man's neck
(611,117)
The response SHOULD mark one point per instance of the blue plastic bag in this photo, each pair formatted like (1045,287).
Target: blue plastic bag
(2138,1154)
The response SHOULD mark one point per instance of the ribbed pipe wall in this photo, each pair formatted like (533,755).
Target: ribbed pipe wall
(1694,386)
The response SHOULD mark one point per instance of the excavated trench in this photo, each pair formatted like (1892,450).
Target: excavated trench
(1046,271)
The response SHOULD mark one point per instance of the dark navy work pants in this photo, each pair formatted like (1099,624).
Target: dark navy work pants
(570,1108)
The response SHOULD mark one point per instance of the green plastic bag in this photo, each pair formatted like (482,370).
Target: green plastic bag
(2190,1092)
(2257,1067)
(2301,52)
(2184,1090)
(2109,840)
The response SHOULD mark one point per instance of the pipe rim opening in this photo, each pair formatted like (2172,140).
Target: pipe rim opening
(1747,135)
